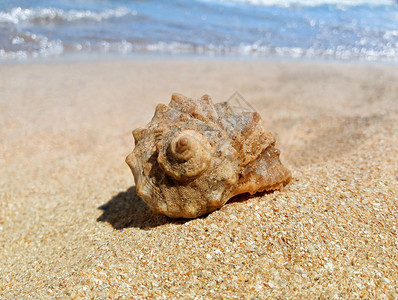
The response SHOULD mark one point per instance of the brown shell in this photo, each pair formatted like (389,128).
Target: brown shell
(195,155)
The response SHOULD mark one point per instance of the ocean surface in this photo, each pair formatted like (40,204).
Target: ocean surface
(316,29)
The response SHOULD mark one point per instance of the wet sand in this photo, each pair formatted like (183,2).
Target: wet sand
(71,224)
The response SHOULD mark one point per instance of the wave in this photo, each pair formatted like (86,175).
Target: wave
(47,15)
(365,31)
(310,3)
(57,48)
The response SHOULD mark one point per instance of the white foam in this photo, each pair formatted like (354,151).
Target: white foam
(294,3)
(56,48)
(19,15)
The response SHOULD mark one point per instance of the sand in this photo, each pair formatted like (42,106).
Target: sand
(71,225)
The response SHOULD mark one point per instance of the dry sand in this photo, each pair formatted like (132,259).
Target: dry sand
(72,226)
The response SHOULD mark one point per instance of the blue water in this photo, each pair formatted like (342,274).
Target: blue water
(326,29)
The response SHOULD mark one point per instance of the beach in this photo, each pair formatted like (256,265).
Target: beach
(72,226)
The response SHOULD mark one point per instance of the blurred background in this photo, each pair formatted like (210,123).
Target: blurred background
(315,29)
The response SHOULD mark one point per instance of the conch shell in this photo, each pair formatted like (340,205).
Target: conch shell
(195,155)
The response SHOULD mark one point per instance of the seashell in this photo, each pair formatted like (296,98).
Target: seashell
(195,155)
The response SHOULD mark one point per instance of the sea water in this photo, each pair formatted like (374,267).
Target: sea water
(325,29)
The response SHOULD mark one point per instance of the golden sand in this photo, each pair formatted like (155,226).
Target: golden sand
(71,224)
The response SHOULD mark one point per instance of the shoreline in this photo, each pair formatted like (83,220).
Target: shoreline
(71,224)
(98,57)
